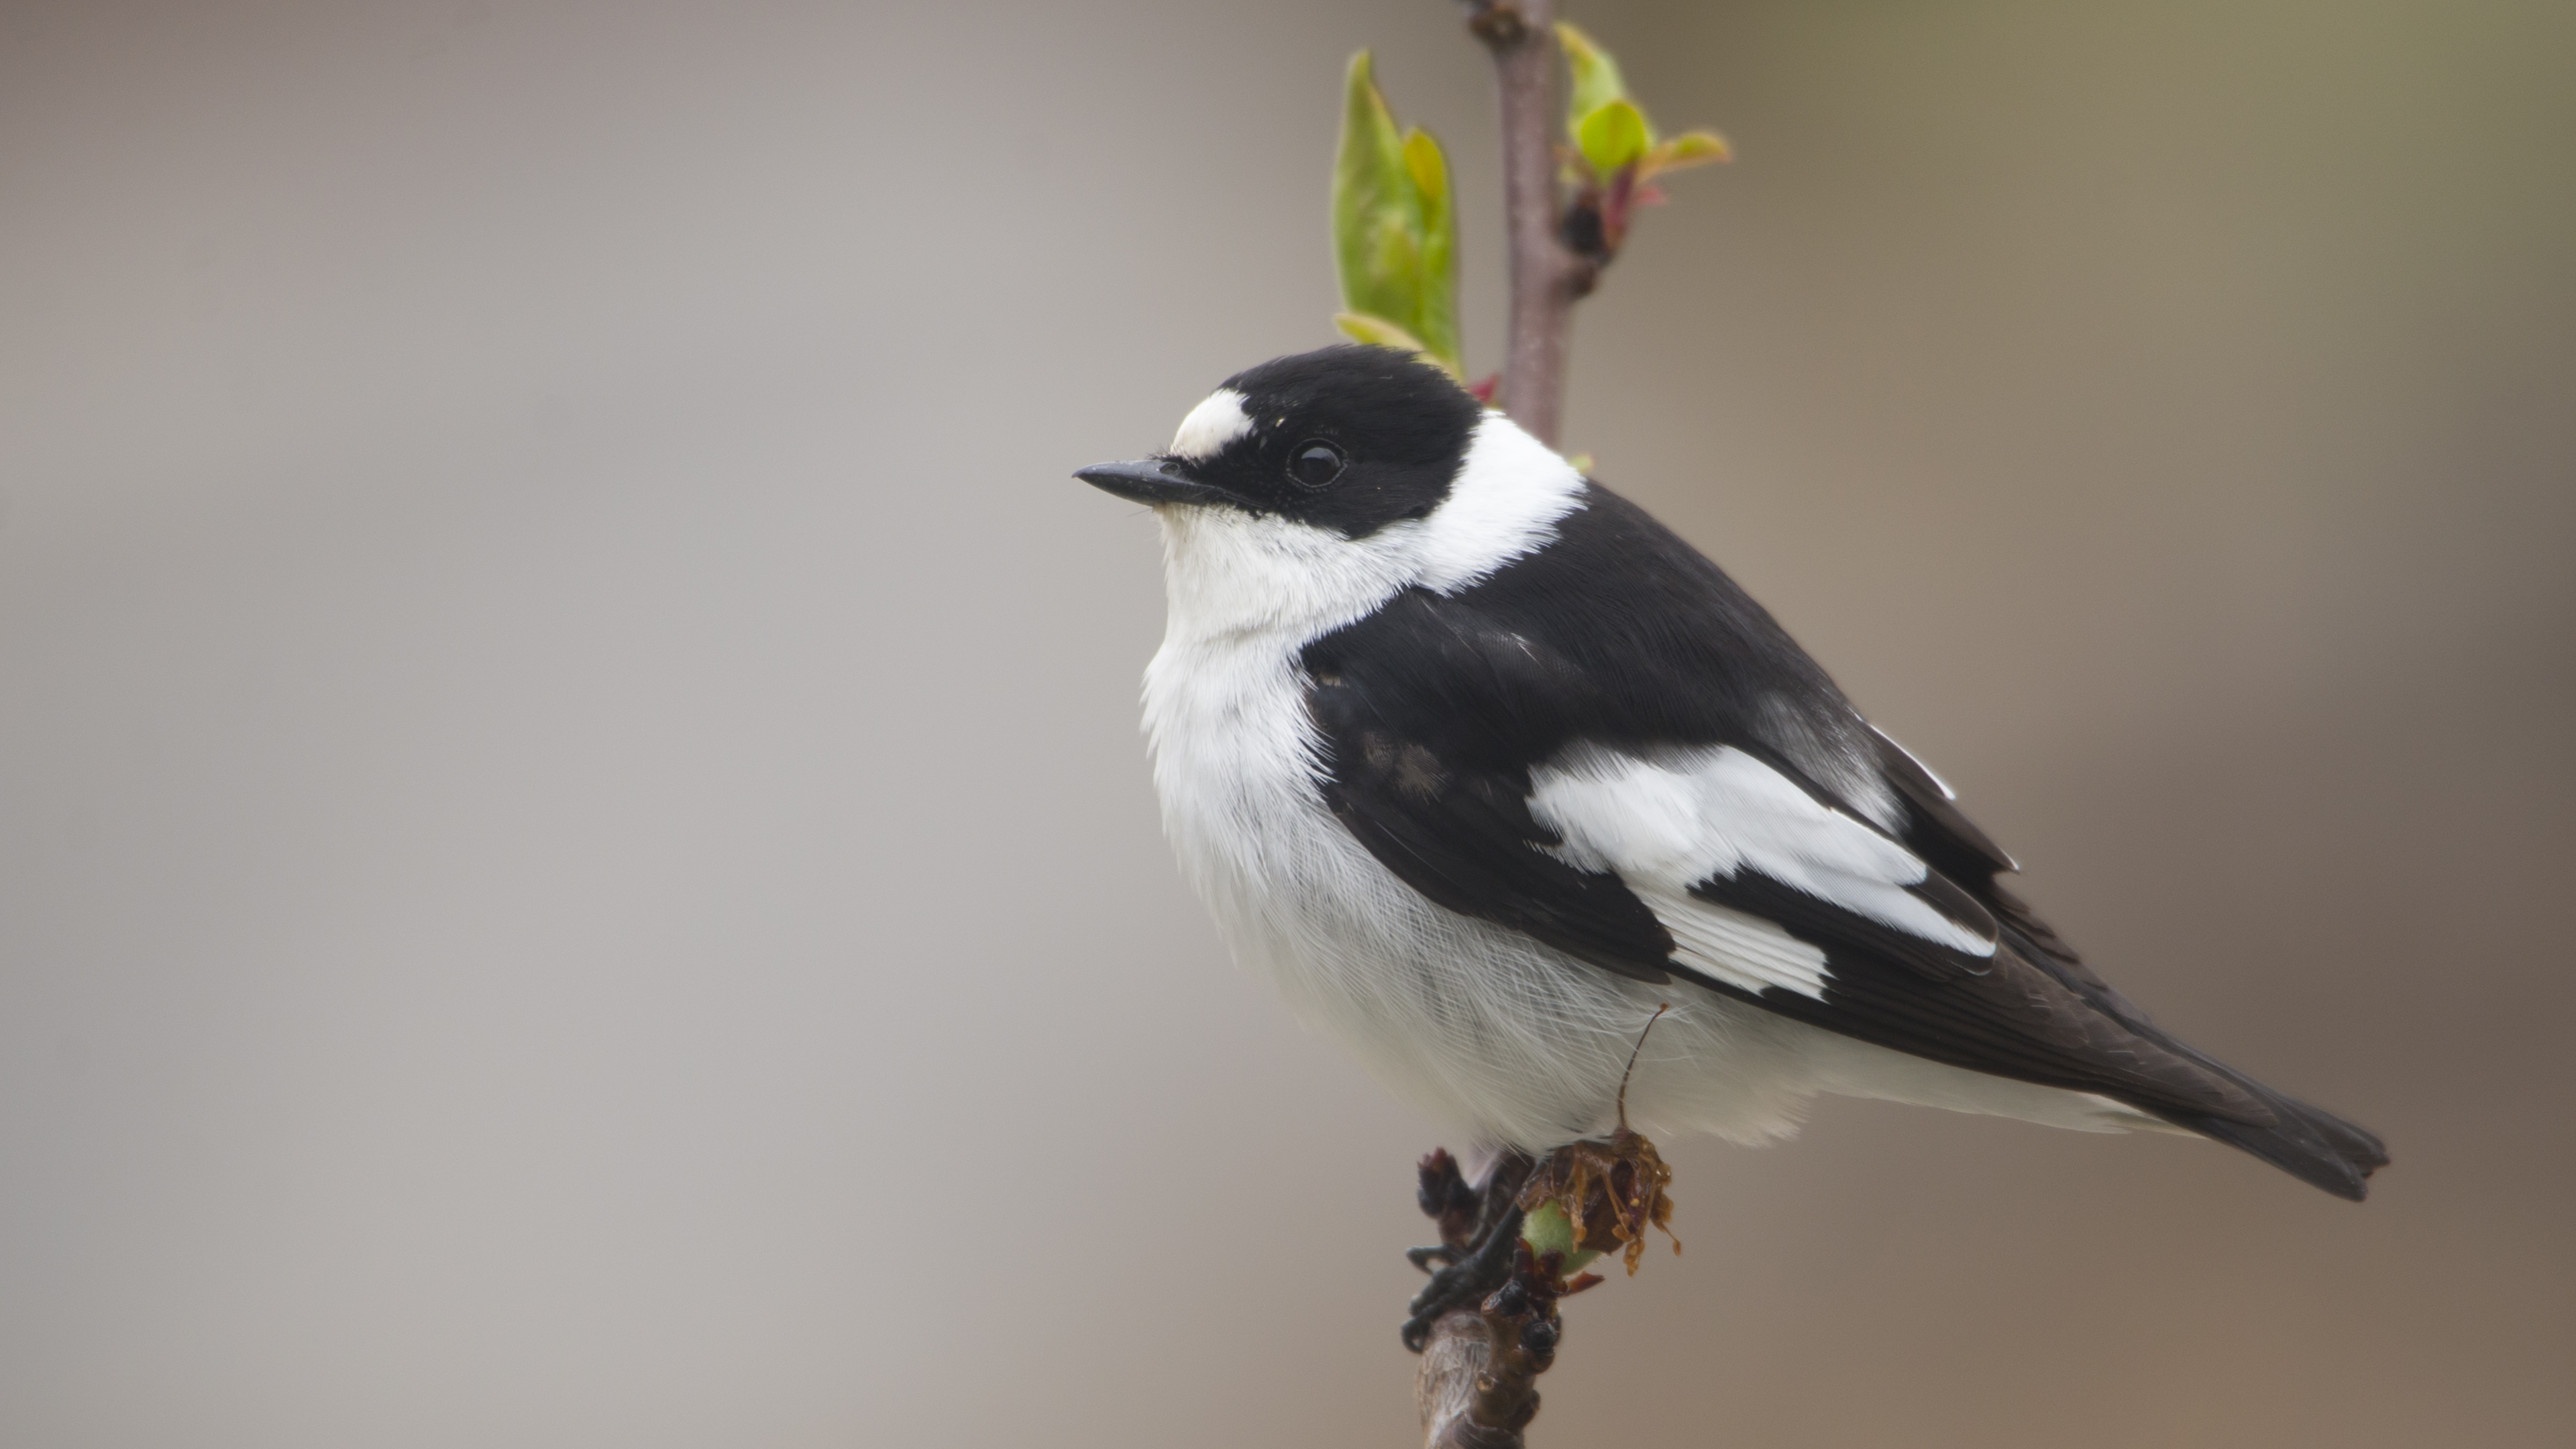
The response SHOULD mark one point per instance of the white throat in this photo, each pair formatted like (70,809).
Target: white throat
(1227,572)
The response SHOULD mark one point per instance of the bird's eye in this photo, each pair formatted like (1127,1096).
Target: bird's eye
(1316,464)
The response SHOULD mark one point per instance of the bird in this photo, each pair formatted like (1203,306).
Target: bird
(1485,769)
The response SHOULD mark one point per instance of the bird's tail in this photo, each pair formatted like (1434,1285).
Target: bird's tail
(2312,1145)
(2315,1146)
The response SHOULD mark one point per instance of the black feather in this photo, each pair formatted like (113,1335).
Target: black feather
(1434,710)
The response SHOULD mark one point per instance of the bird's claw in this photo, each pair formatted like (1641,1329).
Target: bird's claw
(1466,1280)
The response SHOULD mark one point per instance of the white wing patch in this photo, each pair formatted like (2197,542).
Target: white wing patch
(1663,821)
(1738,949)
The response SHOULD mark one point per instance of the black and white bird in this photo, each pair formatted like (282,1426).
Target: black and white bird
(1482,766)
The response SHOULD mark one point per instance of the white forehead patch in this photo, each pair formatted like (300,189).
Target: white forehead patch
(1217,421)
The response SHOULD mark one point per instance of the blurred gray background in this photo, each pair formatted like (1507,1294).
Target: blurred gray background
(576,866)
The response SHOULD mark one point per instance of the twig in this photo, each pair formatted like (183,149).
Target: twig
(1477,1387)
(1547,277)
(1453,1365)
(1478,1384)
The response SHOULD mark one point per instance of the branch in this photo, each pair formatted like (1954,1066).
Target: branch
(1546,276)
(1478,1384)
(1468,1401)
(1477,1387)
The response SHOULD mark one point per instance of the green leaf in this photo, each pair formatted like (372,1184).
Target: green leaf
(1377,332)
(1613,137)
(1435,311)
(1373,205)
(1595,72)
(1426,168)
(1691,148)
(1395,233)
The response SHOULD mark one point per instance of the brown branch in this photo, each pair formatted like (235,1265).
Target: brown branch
(1467,1399)
(1444,1389)
(1477,1386)
(1547,277)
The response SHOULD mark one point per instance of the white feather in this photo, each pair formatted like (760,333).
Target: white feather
(1484,1029)
(1665,821)
(1226,571)
(1219,419)
(1738,949)
(1505,503)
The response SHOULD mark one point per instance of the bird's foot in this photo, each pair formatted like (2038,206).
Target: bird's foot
(1478,1231)
(1465,1282)
(1446,1199)
(1453,1206)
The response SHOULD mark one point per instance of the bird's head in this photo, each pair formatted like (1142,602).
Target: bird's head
(1315,486)
(1349,439)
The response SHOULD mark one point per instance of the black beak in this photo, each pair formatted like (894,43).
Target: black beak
(1150,480)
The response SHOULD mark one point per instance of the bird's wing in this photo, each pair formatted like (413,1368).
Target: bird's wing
(1547,750)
